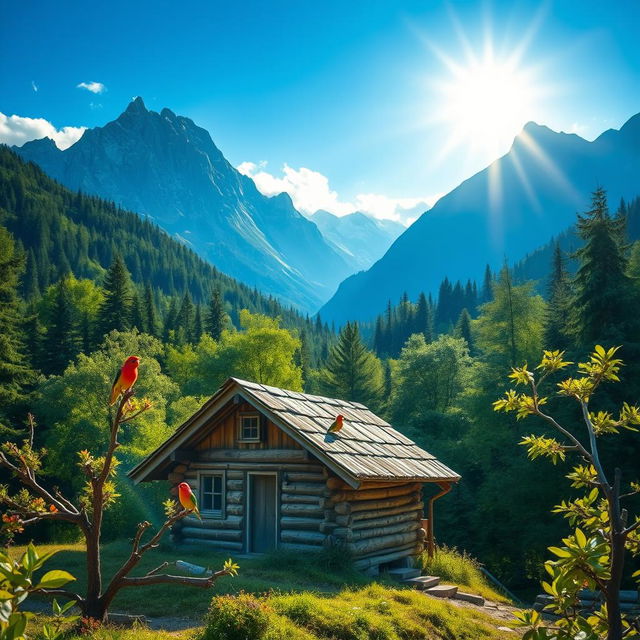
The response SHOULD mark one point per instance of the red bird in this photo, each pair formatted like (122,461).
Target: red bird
(125,378)
(336,425)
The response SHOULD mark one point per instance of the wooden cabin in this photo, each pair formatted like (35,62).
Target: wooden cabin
(268,477)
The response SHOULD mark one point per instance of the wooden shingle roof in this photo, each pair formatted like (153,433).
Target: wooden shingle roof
(367,448)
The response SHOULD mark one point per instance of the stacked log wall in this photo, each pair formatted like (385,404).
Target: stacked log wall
(377,523)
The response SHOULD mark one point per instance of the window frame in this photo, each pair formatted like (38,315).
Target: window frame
(211,473)
(249,414)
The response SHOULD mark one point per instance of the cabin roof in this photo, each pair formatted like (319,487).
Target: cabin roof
(367,448)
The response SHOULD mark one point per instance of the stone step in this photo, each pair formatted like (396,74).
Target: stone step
(442,591)
(470,597)
(404,573)
(423,582)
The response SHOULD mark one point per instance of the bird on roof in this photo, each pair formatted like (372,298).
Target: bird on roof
(337,424)
(332,431)
(125,378)
(188,499)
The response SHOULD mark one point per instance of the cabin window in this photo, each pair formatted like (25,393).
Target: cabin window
(212,494)
(249,428)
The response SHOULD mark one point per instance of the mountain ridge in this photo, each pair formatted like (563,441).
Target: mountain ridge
(504,211)
(164,166)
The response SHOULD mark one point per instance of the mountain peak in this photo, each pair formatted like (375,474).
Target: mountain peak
(136,106)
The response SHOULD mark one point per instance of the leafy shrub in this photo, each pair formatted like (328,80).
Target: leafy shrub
(240,617)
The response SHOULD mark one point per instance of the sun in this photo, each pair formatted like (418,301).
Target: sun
(485,103)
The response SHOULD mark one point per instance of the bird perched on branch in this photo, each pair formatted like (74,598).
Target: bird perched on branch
(188,499)
(125,378)
(337,424)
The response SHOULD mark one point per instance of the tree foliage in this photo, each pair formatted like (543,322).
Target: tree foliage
(593,556)
(352,372)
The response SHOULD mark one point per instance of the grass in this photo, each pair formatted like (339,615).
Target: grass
(375,612)
(305,597)
(281,572)
(460,569)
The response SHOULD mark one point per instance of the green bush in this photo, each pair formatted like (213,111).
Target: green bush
(240,617)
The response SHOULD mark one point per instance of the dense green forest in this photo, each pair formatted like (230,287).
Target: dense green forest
(84,284)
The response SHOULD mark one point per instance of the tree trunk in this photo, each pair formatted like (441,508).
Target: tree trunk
(614,615)
(93,606)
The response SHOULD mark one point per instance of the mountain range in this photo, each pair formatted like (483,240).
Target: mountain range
(505,211)
(361,237)
(165,167)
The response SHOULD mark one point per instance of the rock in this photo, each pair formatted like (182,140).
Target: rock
(470,597)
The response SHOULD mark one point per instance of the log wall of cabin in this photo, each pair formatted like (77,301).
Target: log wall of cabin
(377,523)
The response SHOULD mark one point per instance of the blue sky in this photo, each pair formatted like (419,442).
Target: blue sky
(353,92)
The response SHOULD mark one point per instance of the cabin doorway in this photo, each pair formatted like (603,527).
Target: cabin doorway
(262,512)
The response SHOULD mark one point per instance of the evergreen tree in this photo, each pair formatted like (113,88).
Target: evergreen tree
(603,301)
(352,372)
(556,333)
(303,357)
(487,285)
(150,313)
(169,328)
(15,372)
(137,316)
(184,320)
(443,311)
(421,322)
(216,318)
(379,338)
(197,324)
(115,311)
(62,342)
(463,330)
(31,286)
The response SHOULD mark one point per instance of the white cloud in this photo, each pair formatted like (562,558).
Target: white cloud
(310,191)
(94,87)
(18,130)
(34,86)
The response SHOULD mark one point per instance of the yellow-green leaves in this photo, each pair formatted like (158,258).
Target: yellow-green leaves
(541,446)
(521,375)
(582,476)
(553,361)
(522,404)
(231,567)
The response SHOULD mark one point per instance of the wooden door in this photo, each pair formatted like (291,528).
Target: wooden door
(262,513)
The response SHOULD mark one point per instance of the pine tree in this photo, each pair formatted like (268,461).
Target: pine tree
(150,313)
(487,286)
(184,320)
(62,342)
(216,319)
(115,310)
(443,312)
(352,372)
(197,324)
(137,316)
(556,329)
(463,330)
(169,328)
(15,372)
(603,301)
(379,338)
(303,356)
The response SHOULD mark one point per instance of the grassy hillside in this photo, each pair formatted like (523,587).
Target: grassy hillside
(299,597)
